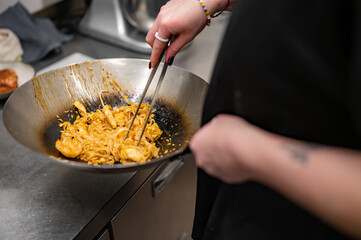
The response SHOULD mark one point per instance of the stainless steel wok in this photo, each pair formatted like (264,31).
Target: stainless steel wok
(30,114)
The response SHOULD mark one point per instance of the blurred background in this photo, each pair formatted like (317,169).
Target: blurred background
(33,5)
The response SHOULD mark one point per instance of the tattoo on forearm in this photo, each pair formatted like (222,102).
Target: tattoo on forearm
(300,152)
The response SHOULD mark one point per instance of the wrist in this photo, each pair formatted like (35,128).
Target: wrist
(255,152)
(214,6)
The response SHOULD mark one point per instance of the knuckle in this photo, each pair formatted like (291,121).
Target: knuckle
(157,47)
(176,50)
(148,39)
(162,9)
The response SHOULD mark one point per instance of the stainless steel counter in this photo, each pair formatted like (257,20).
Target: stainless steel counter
(42,200)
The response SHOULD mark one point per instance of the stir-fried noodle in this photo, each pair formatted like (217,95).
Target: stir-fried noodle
(98,137)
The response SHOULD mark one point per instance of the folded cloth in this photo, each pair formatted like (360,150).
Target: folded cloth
(38,36)
(10,47)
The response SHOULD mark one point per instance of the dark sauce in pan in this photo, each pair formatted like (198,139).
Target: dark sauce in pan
(171,121)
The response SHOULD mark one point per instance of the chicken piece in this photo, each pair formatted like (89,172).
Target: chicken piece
(8,80)
(154,131)
(107,110)
(133,153)
(81,108)
(70,148)
(82,129)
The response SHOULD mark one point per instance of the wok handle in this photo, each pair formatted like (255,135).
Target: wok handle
(166,175)
(176,162)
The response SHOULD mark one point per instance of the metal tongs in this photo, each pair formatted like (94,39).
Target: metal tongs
(151,76)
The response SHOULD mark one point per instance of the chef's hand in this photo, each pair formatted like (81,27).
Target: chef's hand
(226,148)
(183,19)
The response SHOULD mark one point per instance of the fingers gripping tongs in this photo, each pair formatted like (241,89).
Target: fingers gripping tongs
(151,76)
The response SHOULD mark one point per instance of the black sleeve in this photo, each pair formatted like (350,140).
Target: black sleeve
(293,68)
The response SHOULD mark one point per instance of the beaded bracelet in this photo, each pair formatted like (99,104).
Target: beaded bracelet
(206,12)
(214,15)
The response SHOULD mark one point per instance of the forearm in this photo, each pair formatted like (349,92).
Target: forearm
(324,180)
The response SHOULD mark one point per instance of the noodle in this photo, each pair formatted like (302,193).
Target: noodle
(98,137)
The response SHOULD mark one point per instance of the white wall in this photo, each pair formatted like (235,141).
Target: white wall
(31,5)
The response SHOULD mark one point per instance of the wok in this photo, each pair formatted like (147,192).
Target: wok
(30,114)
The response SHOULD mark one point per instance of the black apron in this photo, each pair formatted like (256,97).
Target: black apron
(292,68)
